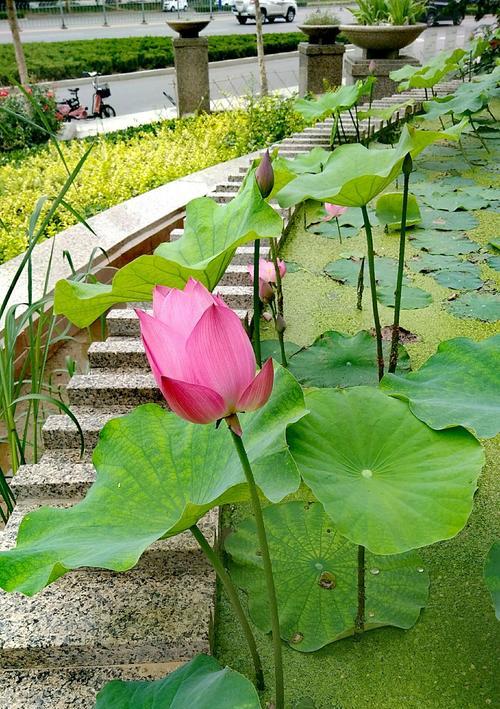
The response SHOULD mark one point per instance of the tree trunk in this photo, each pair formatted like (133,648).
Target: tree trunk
(264,89)
(16,40)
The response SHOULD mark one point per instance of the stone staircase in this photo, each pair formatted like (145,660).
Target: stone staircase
(58,648)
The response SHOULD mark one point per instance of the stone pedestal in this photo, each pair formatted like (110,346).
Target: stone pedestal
(191,66)
(356,67)
(320,67)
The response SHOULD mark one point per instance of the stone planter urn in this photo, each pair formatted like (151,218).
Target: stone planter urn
(191,66)
(188,29)
(320,34)
(382,41)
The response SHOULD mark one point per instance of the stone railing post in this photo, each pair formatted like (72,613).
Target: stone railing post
(320,66)
(191,66)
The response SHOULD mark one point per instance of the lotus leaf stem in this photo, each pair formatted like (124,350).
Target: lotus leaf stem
(232,594)
(373,290)
(268,570)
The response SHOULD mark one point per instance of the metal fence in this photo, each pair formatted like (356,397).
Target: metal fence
(75,13)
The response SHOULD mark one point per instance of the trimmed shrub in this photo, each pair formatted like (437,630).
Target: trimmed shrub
(52,61)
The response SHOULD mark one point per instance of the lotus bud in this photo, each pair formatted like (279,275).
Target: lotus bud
(372,66)
(333,211)
(264,175)
(407,164)
(280,324)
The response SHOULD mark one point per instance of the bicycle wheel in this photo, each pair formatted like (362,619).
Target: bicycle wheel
(107,111)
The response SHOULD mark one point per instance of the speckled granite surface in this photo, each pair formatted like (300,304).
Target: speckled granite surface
(69,688)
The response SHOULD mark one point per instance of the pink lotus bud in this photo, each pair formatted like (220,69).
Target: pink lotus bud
(280,323)
(264,175)
(3,93)
(333,211)
(201,357)
(372,66)
(267,277)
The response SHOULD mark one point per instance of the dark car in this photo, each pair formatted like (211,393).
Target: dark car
(444,10)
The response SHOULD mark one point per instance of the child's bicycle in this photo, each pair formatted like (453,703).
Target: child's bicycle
(71,108)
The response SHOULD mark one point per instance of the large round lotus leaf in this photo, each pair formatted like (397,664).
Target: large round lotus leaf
(331,231)
(390,209)
(459,280)
(481,306)
(449,271)
(201,683)
(447,221)
(156,475)
(493,262)
(411,298)
(492,576)
(315,571)
(446,243)
(338,360)
(457,386)
(387,480)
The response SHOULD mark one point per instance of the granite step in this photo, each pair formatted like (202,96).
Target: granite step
(123,322)
(59,474)
(75,687)
(59,431)
(159,611)
(109,388)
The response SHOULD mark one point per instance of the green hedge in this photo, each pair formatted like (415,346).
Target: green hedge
(68,60)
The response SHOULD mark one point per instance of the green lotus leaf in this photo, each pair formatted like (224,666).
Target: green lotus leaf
(156,476)
(346,270)
(354,174)
(387,480)
(449,271)
(271,348)
(312,162)
(385,113)
(427,76)
(451,201)
(411,298)
(330,230)
(389,210)
(338,360)
(447,221)
(492,576)
(457,386)
(200,683)
(468,98)
(446,243)
(480,306)
(333,101)
(212,232)
(315,571)
(493,262)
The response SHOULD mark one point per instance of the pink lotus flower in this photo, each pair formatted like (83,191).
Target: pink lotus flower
(267,276)
(201,357)
(333,211)
(3,93)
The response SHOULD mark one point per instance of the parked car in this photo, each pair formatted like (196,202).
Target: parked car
(174,5)
(444,10)
(270,10)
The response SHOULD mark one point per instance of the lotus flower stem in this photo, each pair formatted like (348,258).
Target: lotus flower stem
(256,303)
(333,134)
(268,570)
(393,358)
(344,136)
(478,135)
(355,124)
(232,594)
(279,302)
(373,290)
(370,101)
(359,624)
(361,285)
(338,229)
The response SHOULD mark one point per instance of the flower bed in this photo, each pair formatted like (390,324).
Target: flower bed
(122,165)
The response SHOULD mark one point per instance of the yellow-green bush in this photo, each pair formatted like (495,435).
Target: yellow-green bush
(123,165)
